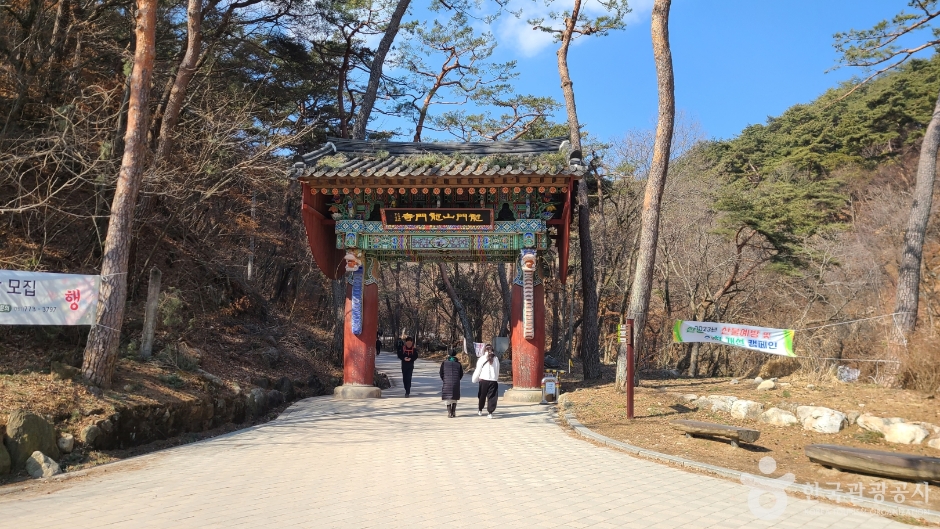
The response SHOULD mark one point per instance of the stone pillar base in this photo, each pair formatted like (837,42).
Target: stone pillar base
(350,392)
(523,395)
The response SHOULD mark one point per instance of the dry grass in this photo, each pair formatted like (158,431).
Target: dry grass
(603,409)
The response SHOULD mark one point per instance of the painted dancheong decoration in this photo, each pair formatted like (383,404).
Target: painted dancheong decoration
(366,203)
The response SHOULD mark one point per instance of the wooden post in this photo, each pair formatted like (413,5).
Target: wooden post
(150,314)
(631,368)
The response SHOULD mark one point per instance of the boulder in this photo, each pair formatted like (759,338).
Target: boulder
(758,380)
(746,409)
(381,380)
(932,428)
(62,371)
(27,433)
(551,363)
(275,398)
(285,386)
(778,417)
(688,397)
(262,382)
(766,385)
(820,419)
(89,435)
(271,356)
(933,443)
(66,443)
(721,402)
(39,465)
(905,433)
(4,460)
(257,402)
(315,386)
(735,381)
(867,421)
(853,416)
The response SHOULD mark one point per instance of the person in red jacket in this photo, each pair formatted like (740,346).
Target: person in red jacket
(408,354)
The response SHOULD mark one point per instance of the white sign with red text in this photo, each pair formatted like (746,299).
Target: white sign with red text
(39,298)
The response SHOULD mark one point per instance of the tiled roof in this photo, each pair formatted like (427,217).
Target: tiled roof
(342,158)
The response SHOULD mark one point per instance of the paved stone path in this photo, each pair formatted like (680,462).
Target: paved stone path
(398,462)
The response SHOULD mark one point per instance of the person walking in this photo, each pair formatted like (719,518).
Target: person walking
(487,374)
(451,373)
(408,354)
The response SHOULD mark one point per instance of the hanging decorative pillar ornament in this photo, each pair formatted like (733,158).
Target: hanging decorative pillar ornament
(355,267)
(527,265)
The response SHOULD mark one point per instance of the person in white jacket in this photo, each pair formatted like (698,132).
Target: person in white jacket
(487,374)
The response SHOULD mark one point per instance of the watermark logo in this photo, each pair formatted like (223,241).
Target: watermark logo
(762,487)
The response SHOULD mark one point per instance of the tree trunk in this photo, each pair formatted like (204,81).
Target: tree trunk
(590,353)
(906,302)
(567,87)
(104,338)
(461,313)
(375,71)
(649,229)
(150,314)
(185,74)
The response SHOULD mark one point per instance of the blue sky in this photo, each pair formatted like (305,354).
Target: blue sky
(736,61)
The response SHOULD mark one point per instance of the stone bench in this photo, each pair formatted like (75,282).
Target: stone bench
(710,429)
(888,464)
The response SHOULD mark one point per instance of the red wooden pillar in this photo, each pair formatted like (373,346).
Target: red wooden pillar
(528,356)
(359,351)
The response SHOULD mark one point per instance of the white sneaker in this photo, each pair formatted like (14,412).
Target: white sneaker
(489,415)
(480,413)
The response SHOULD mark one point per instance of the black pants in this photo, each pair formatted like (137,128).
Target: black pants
(489,389)
(407,369)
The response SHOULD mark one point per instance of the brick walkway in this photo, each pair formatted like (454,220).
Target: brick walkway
(396,462)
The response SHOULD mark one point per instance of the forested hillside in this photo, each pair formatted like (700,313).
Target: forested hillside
(795,223)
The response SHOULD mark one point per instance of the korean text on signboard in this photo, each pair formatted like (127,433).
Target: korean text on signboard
(763,339)
(37,298)
(404,217)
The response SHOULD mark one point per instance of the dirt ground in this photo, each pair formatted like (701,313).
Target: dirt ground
(603,409)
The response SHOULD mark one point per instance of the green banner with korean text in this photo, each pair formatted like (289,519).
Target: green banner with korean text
(763,339)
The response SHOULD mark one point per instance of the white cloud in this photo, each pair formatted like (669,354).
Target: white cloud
(518,34)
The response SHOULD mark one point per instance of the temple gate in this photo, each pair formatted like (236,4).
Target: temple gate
(367,203)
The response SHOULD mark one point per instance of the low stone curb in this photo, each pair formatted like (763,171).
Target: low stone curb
(840,498)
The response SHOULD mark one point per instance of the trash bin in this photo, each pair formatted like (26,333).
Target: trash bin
(549,389)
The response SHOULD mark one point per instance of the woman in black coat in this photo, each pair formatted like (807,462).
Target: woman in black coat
(451,373)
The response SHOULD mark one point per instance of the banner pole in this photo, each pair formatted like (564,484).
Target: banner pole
(630,369)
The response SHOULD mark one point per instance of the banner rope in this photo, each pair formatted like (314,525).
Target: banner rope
(851,321)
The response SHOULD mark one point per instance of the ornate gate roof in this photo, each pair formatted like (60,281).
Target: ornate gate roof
(391,201)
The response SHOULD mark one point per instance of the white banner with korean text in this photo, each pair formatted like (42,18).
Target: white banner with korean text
(763,339)
(39,298)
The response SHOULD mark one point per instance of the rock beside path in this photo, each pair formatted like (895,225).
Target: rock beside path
(66,443)
(39,465)
(746,409)
(905,433)
(778,417)
(27,433)
(89,435)
(766,385)
(820,419)
(257,402)
(867,421)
